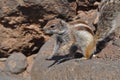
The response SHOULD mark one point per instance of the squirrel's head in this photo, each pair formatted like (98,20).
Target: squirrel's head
(56,26)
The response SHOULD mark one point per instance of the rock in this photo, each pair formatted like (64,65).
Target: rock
(59,7)
(117,42)
(26,73)
(109,52)
(30,61)
(16,63)
(2,66)
(76,69)
(86,3)
(5,76)
(9,6)
(25,39)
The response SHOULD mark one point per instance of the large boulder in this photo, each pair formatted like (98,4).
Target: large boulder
(76,69)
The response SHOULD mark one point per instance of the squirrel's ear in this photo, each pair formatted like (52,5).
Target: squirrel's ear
(63,23)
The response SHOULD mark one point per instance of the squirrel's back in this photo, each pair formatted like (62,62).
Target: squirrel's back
(85,39)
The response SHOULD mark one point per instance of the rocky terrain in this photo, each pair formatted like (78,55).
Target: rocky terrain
(24,47)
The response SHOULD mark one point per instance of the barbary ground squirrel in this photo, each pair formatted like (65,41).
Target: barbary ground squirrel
(72,36)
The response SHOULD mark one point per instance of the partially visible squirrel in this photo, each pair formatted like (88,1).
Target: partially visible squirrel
(108,18)
(73,36)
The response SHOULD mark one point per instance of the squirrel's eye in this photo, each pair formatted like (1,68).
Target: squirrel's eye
(52,26)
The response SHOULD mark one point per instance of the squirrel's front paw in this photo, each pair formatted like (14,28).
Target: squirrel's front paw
(52,56)
(49,58)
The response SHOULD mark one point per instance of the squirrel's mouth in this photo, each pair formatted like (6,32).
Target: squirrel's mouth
(48,32)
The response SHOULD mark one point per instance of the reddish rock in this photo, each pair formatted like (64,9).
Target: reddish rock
(26,39)
(59,7)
